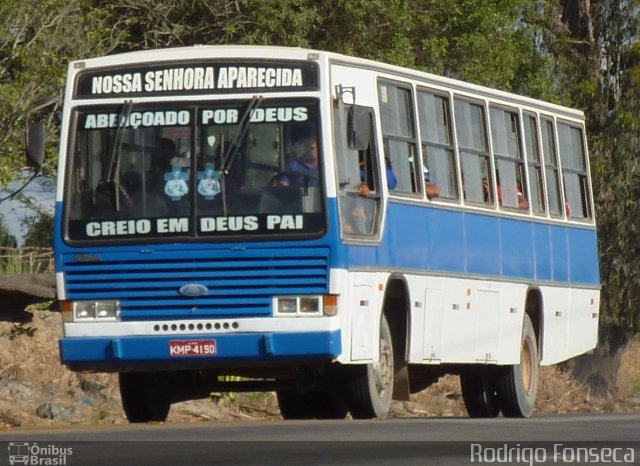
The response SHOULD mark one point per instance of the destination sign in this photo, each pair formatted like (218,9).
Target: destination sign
(197,78)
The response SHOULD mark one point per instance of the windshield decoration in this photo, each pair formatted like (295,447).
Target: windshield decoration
(176,184)
(209,182)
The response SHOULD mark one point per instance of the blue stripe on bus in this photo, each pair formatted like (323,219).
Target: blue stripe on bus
(131,349)
(458,242)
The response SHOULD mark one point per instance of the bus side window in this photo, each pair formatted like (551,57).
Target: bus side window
(403,168)
(358,169)
(471,129)
(439,169)
(536,186)
(551,167)
(509,163)
(574,171)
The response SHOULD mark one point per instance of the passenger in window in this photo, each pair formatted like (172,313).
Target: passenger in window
(151,202)
(303,170)
(523,202)
(363,189)
(567,206)
(162,158)
(431,188)
(139,203)
(359,219)
(278,199)
(392,181)
(486,189)
(279,179)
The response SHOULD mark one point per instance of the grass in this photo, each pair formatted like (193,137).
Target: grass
(25,260)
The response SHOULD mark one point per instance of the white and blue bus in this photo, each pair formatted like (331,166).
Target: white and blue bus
(337,230)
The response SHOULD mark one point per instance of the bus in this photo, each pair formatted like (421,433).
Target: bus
(336,230)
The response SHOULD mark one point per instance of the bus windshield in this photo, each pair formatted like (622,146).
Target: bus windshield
(211,170)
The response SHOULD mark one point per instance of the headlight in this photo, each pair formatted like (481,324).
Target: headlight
(287,306)
(299,306)
(82,311)
(107,309)
(309,305)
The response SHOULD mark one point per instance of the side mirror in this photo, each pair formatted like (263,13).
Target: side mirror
(35,144)
(359,127)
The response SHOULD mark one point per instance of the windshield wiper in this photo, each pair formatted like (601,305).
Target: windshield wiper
(113,179)
(231,152)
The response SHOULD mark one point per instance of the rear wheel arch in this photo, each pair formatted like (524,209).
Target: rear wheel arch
(534,309)
(396,307)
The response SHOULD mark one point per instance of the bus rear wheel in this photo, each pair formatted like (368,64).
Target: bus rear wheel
(518,384)
(370,387)
(479,394)
(144,399)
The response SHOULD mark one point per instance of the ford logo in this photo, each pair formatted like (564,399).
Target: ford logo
(193,290)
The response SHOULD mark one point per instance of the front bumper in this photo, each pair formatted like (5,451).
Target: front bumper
(143,352)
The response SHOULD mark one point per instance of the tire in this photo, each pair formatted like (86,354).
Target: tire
(479,393)
(370,387)
(144,397)
(518,384)
(314,404)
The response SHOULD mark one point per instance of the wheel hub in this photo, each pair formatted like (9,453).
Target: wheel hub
(383,369)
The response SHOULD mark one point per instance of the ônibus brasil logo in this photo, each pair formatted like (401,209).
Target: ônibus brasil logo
(38,455)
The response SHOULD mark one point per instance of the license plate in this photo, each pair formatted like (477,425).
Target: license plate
(179,348)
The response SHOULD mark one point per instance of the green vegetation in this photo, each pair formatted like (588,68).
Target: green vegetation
(6,239)
(25,260)
(583,53)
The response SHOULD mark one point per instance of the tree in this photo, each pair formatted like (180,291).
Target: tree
(37,40)
(597,46)
(40,233)
(7,240)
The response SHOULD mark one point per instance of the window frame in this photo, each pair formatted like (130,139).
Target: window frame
(535,166)
(487,155)
(349,192)
(583,174)
(518,159)
(553,168)
(452,147)
(412,142)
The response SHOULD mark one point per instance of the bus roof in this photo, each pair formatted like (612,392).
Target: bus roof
(296,53)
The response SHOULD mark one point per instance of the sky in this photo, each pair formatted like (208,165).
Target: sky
(14,212)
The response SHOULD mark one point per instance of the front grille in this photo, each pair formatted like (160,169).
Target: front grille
(241,282)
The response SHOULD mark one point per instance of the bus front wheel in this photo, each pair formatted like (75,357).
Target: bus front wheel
(370,386)
(144,399)
(518,384)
